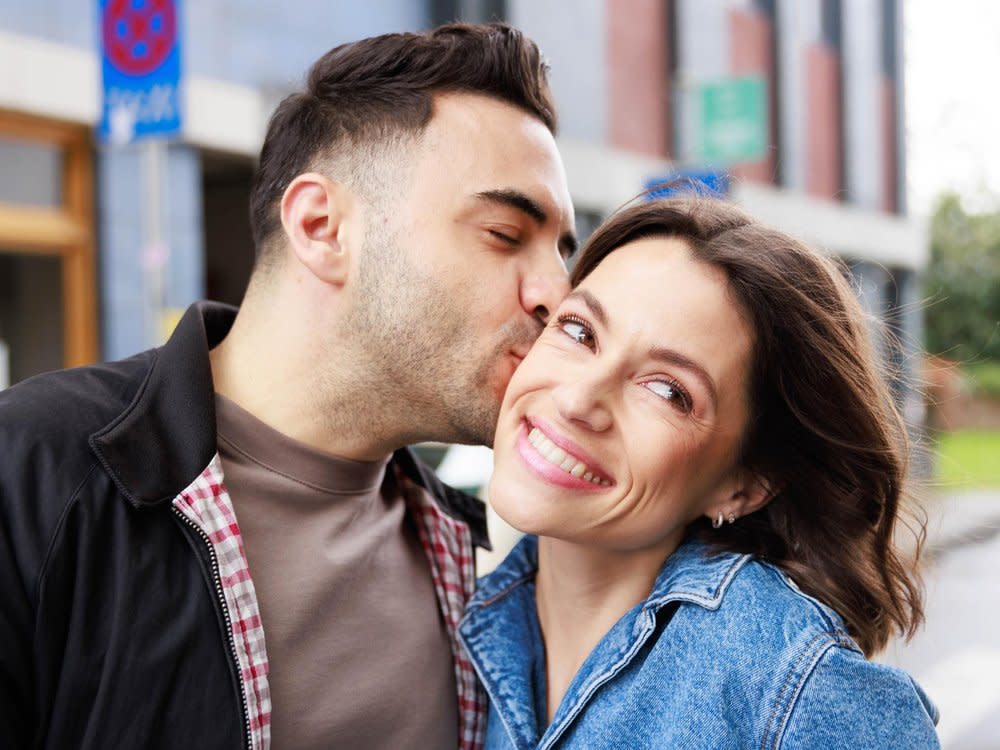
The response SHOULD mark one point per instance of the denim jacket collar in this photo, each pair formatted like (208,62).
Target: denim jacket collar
(723,647)
(696,574)
(692,574)
(498,621)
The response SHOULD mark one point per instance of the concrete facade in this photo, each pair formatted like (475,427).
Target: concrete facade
(863,145)
(574,39)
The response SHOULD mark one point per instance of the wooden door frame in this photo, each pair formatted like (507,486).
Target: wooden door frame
(65,231)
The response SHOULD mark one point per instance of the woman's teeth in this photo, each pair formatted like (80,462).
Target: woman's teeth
(558,457)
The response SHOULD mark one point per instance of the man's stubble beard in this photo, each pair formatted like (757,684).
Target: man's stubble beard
(430,375)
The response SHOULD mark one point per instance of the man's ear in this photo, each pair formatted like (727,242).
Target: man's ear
(317,214)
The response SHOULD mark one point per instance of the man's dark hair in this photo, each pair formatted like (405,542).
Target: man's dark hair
(367,93)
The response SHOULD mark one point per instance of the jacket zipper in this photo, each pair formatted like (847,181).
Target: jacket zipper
(220,594)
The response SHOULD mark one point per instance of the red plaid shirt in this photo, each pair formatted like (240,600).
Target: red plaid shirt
(205,504)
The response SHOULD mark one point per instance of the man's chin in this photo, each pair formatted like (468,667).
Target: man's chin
(473,425)
(478,420)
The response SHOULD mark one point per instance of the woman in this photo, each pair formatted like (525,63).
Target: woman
(710,469)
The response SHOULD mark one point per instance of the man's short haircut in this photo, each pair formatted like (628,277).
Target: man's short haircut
(364,95)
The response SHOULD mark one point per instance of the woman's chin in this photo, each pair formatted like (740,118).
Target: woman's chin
(517,511)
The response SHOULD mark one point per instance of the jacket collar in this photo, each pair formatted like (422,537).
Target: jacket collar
(693,573)
(495,631)
(166,436)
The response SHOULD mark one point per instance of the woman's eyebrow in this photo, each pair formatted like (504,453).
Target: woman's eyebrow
(592,303)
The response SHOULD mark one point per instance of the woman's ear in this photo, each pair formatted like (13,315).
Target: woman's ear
(757,492)
(749,493)
(317,214)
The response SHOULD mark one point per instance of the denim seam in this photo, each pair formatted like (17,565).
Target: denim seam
(797,677)
(785,580)
(600,680)
(501,594)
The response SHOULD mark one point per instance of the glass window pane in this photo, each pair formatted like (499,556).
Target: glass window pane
(31,314)
(30,173)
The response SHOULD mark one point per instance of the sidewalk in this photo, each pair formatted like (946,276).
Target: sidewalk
(958,517)
(955,656)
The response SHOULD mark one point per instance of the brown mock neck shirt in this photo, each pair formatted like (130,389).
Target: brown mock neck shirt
(359,655)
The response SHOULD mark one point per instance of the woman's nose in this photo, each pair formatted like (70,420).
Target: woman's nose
(583,402)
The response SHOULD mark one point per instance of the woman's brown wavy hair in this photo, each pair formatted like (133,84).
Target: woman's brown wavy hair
(823,432)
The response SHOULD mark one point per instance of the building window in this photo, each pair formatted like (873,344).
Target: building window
(48,299)
(830,23)
(765,6)
(890,30)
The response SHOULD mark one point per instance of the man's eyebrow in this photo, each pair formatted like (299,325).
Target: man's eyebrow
(593,304)
(516,199)
(673,357)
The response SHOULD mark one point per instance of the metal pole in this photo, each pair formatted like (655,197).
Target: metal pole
(155,251)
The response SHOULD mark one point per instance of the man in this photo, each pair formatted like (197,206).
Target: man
(225,538)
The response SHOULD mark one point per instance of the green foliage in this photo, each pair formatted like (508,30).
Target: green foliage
(985,377)
(968,458)
(963,284)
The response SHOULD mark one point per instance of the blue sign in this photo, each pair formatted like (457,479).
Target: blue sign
(141,68)
(705,183)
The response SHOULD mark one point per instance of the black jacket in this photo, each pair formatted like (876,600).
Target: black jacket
(111,631)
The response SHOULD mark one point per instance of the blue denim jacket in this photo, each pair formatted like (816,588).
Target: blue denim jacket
(725,652)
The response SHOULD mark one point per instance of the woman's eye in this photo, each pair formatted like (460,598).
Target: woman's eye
(578,331)
(671,392)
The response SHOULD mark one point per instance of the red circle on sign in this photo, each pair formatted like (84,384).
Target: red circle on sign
(138,34)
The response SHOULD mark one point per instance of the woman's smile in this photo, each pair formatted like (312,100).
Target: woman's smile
(555,459)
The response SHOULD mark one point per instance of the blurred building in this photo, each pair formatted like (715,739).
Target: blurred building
(800,101)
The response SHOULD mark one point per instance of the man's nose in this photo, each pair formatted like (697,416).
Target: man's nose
(543,290)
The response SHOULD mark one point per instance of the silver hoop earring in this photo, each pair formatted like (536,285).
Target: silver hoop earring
(717,521)
(732,517)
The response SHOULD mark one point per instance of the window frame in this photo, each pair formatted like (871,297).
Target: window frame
(66,231)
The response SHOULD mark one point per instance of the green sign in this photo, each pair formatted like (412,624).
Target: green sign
(733,122)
